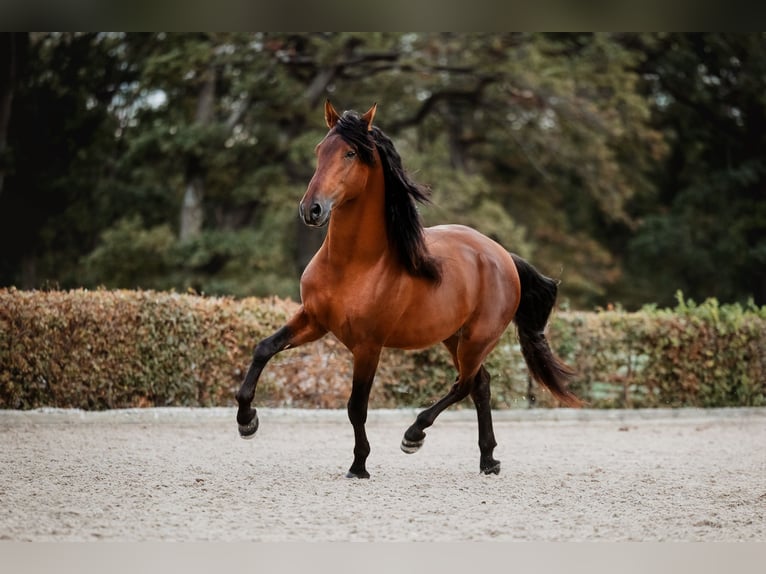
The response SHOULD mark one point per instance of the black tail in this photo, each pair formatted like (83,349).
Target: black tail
(538,295)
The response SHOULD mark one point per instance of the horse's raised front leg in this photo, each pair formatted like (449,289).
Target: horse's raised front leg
(299,329)
(365,365)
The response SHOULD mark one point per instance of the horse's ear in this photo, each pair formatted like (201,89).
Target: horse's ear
(369,115)
(331,117)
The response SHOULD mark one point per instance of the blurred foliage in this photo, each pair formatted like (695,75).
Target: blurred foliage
(115,348)
(628,165)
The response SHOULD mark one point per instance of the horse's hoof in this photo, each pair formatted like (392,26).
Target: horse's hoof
(248,431)
(411,446)
(362,474)
(492,468)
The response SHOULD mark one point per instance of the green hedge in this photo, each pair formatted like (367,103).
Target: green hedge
(706,355)
(109,349)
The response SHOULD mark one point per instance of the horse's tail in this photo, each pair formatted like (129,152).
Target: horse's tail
(538,295)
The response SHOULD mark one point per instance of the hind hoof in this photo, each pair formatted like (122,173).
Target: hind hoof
(491,468)
(411,446)
(361,474)
(248,431)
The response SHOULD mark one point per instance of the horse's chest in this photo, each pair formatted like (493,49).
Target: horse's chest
(353,309)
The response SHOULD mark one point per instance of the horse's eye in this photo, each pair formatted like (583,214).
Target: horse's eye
(350,154)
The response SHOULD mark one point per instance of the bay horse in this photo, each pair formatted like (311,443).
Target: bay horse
(381,279)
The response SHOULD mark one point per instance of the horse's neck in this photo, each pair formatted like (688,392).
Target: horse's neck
(357,233)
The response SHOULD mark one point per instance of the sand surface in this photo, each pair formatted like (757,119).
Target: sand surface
(185,475)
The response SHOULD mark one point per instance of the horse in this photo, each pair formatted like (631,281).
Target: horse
(381,279)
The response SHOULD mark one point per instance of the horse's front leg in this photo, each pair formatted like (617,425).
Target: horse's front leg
(365,365)
(299,329)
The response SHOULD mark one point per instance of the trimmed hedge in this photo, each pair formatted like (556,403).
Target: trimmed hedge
(706,355)
(112,349)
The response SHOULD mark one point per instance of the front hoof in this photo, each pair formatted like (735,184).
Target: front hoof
(411,446)
(248,431)
(492,467)
(361,474)
(413,439)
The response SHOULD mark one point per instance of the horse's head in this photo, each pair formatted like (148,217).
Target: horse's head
(345,158)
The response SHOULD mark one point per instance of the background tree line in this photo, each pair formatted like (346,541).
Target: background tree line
(628,165)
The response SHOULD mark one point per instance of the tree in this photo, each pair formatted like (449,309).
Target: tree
(628,165)
(60,146)
(706,234)
(12,52)
(553,126)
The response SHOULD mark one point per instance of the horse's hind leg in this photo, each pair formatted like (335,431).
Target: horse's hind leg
(415,435)
(468,355)
(480,394)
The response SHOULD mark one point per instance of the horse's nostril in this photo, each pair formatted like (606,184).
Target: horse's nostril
(316,211)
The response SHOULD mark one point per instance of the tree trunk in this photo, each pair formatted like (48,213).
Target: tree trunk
(191,208)
(9,54)
(194,190)
(457,148)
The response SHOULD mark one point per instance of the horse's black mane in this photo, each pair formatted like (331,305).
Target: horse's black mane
(403,224)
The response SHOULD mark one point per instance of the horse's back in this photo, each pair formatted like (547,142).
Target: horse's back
(463,250)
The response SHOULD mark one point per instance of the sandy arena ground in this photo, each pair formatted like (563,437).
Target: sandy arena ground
(185,475)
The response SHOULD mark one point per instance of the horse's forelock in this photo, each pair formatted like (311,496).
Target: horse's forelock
(353,129)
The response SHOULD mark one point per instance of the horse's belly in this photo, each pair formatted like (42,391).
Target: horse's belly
(429,314)
(413,333)
(411,327)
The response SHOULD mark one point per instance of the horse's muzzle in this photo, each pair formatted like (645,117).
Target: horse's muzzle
(317,214)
